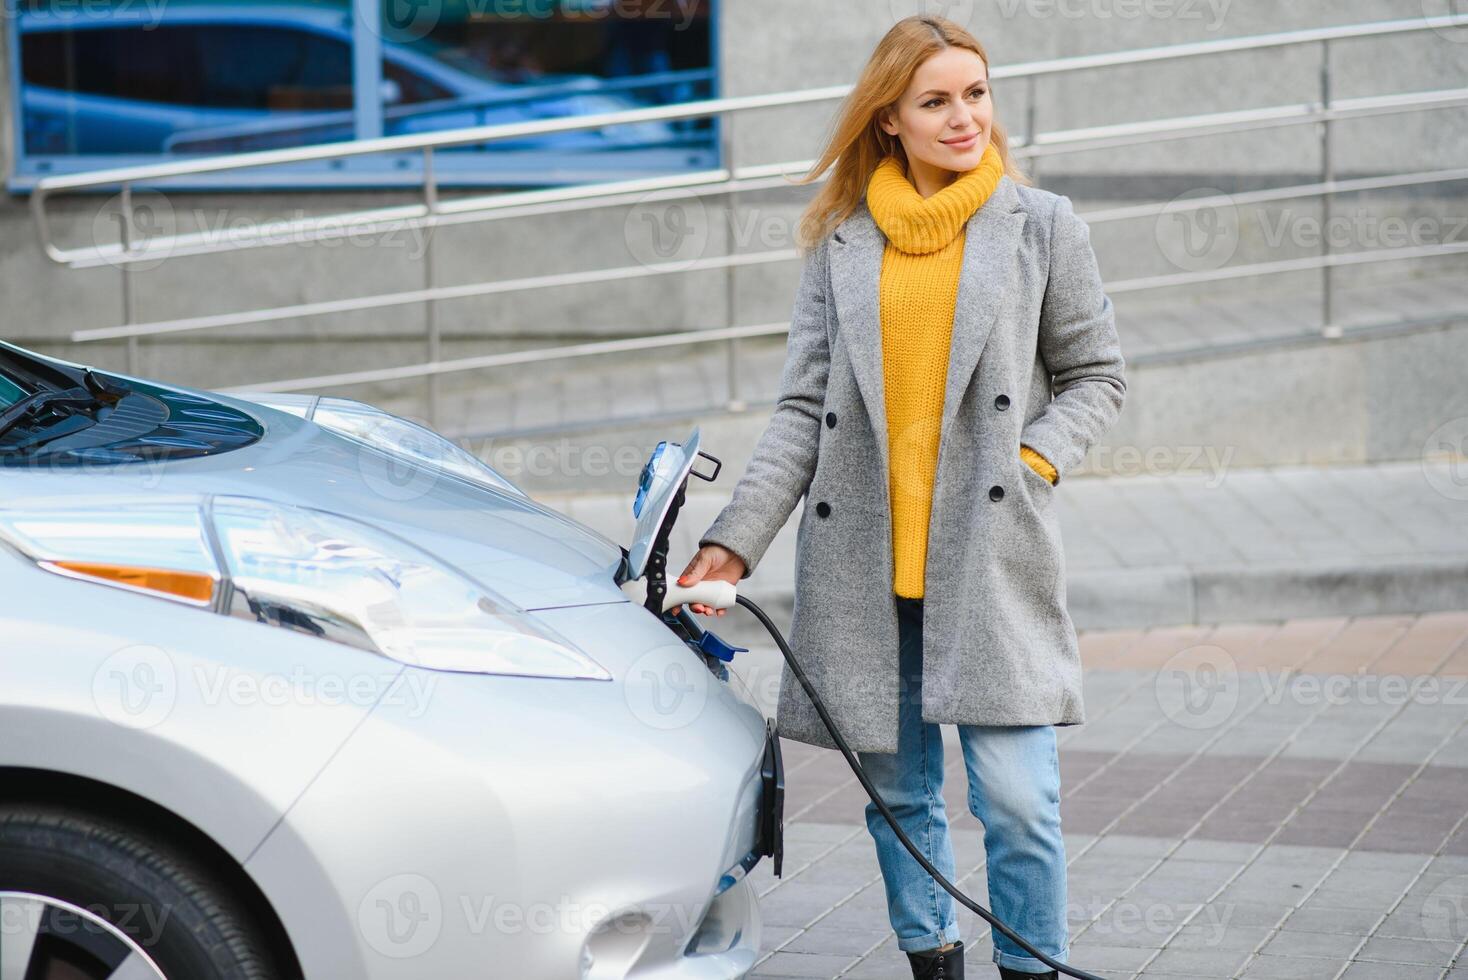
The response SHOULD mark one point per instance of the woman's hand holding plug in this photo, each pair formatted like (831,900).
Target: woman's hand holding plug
(712,562)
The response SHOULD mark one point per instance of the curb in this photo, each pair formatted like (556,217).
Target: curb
(1175,595)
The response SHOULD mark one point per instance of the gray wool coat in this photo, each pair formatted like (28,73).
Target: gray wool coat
(1034,358)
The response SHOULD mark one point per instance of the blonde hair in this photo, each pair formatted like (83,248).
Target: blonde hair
(858,143)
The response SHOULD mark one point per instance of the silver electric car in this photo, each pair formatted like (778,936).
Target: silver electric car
(291,688)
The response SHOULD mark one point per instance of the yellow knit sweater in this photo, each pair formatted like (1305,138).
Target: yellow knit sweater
(918,293)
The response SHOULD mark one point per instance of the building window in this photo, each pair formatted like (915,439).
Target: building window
(103,85)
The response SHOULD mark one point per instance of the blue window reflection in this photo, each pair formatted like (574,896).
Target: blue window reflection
(133,82)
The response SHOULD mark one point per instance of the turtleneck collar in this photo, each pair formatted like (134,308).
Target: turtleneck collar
(920,225)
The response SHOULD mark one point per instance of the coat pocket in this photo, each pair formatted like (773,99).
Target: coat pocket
(1037,488)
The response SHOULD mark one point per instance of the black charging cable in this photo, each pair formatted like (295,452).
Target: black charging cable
(851,760)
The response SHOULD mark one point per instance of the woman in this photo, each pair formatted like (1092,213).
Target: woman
(952,355)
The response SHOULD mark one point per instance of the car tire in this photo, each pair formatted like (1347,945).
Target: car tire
(96,891)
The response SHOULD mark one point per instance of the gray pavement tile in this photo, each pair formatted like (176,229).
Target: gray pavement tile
(1218,935)
(1199,962)
(1214,851)
(1390,971)
(1323,945)
(832,942)
(1340,922)
(1099,956)
(1292,968)
(1391,950)
(783,964)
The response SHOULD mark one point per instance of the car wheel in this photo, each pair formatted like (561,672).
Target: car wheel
(85,898)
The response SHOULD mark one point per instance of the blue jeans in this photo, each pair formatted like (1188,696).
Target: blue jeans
(1014,790)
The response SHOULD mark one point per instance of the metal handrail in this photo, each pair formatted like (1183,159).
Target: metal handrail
(380,301)
(408,372)
(428,143)
(765,176)
(1111,136)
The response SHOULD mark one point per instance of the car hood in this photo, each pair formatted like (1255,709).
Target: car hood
(530,554)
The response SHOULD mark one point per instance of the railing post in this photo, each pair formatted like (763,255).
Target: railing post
(731,350)
(1328,326)
(430,319)
(126,268)
(1031,126)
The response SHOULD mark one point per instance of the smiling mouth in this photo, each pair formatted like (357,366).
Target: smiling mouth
(961,139)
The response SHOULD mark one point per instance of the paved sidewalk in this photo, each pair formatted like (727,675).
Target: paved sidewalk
(1209,544)
(1263,799)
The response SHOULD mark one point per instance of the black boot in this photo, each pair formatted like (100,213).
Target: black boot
(933,965)
(1007,974)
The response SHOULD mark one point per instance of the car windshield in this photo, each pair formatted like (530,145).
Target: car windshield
(10,391)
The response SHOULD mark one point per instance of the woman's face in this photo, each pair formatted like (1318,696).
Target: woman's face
(944,117)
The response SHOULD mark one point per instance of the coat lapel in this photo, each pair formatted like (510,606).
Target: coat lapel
(991,239)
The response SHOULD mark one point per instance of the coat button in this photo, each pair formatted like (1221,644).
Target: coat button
(1002,402)
(830,420)
(996,493)
(823,509)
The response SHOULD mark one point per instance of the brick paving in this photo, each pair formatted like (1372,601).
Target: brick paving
(1276,799)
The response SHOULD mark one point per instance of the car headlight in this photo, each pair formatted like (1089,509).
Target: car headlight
(299,569)
(389,433)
